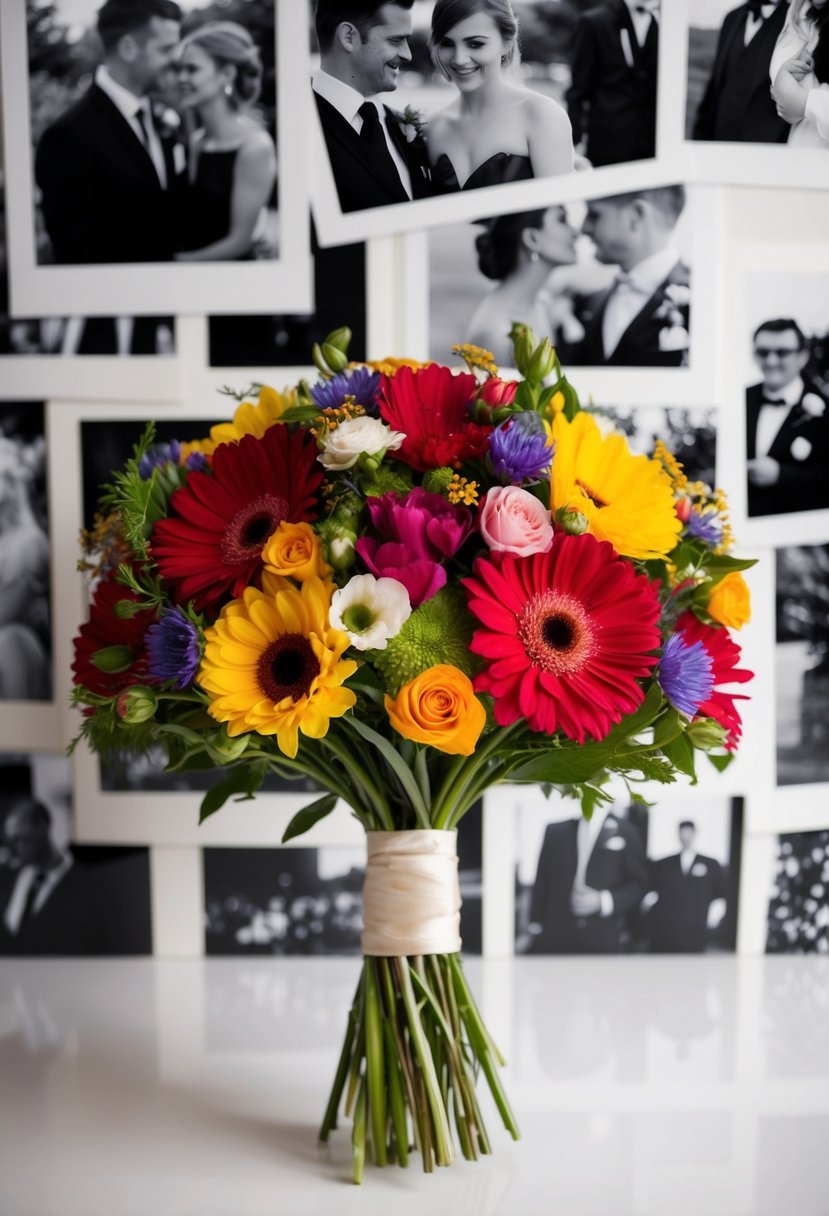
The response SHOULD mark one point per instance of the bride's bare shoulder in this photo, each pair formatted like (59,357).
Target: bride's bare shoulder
(541,110)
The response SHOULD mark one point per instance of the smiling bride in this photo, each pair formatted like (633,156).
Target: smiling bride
(496,130)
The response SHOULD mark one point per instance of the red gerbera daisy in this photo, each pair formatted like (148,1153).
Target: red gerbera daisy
(566,636)
(106,630)
(212,542)
(725,654)
(431,407)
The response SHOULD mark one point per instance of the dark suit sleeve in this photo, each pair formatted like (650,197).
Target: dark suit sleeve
(719,885)
(636,875)
(704,121)
(583,69)
(63,172)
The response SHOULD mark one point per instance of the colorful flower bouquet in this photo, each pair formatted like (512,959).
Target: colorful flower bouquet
(409,583)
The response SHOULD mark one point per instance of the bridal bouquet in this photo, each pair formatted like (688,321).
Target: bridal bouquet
(410,582)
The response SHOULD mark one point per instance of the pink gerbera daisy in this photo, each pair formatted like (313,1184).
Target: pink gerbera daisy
(725,655)
(566,636)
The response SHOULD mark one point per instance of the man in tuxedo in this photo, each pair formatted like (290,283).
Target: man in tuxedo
(612,96)
(787,426)
(691,897)
(104,172)
(737,104)
(69,901)
(590,875)
(642,319)
(376,157)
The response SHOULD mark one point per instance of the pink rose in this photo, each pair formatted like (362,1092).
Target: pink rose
(494,391)
(513,521)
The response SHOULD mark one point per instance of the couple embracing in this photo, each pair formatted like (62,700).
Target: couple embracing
(162,157)
(495,130)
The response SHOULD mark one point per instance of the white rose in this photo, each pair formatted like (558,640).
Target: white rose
(814,406)
(801,449)
(342,447)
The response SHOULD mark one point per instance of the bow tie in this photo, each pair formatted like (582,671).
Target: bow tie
(650,10)
(775,401)
(627,280)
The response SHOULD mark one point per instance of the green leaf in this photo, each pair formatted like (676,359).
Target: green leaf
(592,796)
(719,761)
(396,764)
(305,819)
(245,781)
(681,753)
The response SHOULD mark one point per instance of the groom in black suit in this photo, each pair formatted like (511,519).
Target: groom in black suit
(642,319)
(104,172)
(377,157)
(612,96)
(737,104)
(787,426)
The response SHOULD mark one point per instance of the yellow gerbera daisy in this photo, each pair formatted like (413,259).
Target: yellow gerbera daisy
(272,664)
(626,499)
(254,418)
(389,366)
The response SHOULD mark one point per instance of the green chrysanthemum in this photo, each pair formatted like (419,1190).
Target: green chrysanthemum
(439,631)
(386,479)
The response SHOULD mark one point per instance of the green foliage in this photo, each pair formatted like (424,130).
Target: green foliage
(305,819)
(242,784)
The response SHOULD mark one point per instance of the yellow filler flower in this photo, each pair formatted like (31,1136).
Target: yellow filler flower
(272,664)
(625,499)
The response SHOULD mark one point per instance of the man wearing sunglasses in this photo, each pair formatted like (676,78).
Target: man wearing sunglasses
(787,420)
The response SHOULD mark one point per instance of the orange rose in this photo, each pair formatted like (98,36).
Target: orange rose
(730,602)
(294,551)
(439,707)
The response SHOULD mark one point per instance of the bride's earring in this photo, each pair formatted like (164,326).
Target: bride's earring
(534,255)
(228,90)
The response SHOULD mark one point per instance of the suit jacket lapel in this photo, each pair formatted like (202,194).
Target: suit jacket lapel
(126,137)
(337,128)
(644,316)
(731,30)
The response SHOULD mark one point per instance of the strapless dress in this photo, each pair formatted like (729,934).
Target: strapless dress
(494,171)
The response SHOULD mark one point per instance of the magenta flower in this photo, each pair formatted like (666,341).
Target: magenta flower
(418,531)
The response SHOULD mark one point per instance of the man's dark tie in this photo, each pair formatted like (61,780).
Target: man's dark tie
(34,890)
(141,119)
(374,138)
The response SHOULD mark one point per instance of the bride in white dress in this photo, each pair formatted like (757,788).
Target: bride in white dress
(800,82)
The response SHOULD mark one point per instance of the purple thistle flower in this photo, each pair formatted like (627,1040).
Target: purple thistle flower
(706,526)
(157,456)
(519,449)
(197,462)
(685,674)
(173,648)
(361,383)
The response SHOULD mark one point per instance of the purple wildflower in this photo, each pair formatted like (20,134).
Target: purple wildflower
(361,383)
(706,525)
(173,648)
(157,456)
(685,674)
(519,449)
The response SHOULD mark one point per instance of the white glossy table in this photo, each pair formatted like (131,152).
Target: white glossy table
(643,1086)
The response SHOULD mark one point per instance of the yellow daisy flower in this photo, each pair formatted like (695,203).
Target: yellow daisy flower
(272,663)
(389,366)
(626,499)
(254,418)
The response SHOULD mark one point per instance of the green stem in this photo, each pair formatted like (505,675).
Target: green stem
(329,1120)
(444,1152)
(449,797)
(483,1046)
(421,772)
(361,780)
(358,1135)
(374,1065)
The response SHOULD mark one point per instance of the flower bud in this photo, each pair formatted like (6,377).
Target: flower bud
(569,520)
(523,350)
(334,357)
(339,551)
(339,338)
(542,362)
(113,659)
(125,610)
(682,506)
(224,750)
(136,704)
(706,734)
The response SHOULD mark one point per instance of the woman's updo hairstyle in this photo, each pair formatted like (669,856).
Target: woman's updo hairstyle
(228,43)
(448,13)
(500,244)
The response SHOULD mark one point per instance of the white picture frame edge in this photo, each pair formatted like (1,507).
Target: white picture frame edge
(282,284)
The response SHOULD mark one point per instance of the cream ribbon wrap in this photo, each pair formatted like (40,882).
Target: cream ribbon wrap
(411,896)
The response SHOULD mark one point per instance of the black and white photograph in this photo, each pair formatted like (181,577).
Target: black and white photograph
(25,576)
(801,666)
(159,161)
(340,297)
(689,433)
(422,101)
(610,282)
(786,417)
(631,880)
(756,105)
(58,897)
(798,901)
(309,900)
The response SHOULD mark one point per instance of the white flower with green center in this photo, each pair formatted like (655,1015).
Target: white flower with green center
(356,437)
(370,610)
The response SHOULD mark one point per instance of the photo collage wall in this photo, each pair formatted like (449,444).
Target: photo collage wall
(181,216)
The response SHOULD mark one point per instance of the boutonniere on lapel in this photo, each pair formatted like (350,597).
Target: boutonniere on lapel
(673,311)
(699,869)
(809,407)
(411,122)
(167,122)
